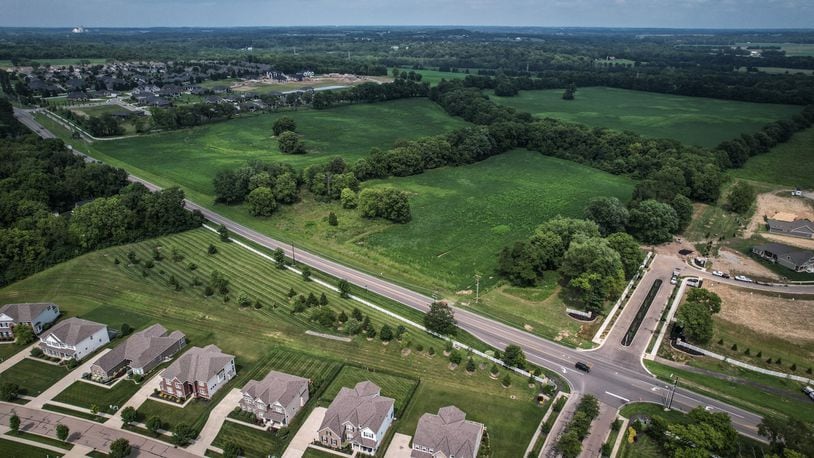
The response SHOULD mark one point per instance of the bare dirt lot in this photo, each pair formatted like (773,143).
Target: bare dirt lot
(735,263)
(791,320)
(771,203)
(332,79)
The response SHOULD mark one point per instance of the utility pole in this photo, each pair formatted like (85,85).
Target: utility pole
(477,287)
(293,256)
(672,394)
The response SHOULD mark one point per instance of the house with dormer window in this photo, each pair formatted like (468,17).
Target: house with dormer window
(36,315)
(276,399)
(359,417)
(74,338)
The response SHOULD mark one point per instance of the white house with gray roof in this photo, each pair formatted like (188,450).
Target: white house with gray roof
(446,435)
(198,373)
(139,354)
(359,416)
(37,315)
(276,399)
(74,338)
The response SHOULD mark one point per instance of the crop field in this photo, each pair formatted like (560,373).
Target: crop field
(190,157)
(433,76)
(463,216)
(792,49)
(790,164)
(691,120)
(93,286)
(393,386)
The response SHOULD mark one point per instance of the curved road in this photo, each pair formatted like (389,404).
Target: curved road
(617,374)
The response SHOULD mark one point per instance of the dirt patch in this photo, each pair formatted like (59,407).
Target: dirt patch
(673,248)
(788,319)
(331,79)
(735,263)
(562,335)
(769,204)
(793,241)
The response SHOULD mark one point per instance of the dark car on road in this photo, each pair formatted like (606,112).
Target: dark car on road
(583,366)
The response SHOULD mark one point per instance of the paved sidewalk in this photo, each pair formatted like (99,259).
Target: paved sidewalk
(5,429)
(214,422)
(16,358)
(306,434)
(548,449)
(600,429)
(64,382)
(135,401)
(86,433)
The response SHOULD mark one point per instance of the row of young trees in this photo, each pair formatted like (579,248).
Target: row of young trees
(54,206)
(105,125)
(190,115)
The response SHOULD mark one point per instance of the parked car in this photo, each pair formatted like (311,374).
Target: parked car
(744,278)
(695,282)
(809,392)
(717,273)
(674,280)
(586,367)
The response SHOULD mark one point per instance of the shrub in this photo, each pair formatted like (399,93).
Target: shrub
(386,334)
(332,219)
(208,291)
(149,264)
(431,352)
(212,249)
(243,300)
(116,261)
(126,329)
(9,391)
(182,434)
(507,380)
(371,332)
(734,347)
(62,432)
(494,370)
(36,352)
(192,266)
(470,366)
(455,357)
(419,348)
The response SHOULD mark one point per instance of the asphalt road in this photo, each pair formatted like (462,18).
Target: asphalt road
(617,375)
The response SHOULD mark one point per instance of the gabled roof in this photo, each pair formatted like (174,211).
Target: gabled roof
(25,313)
(276,387)
(448,432)
(800,226)
(73,330)
(197,364)
(796,255)
(361,406)
(140,348)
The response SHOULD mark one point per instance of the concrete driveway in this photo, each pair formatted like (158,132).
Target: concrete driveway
(399,446)
(306,434)
(214,422)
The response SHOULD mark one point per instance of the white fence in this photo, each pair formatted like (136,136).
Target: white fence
(735,362)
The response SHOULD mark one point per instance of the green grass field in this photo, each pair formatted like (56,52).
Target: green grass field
(92,286)
(463,216)
(781,70)
(433,76)
(33,377)
(85,395)
(789,164)
(18,450)
(691,120)
(792,49)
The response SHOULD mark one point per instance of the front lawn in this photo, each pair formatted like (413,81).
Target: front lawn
(33,377)
(85,395)
(18,450)
(255,443)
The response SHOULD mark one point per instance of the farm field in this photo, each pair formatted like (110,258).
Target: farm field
(94,287)
(790,164)
(433,76)
(190,157)
(792,49)
(463,216)
(691,120)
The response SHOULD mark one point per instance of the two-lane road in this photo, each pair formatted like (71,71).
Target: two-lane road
(614,381)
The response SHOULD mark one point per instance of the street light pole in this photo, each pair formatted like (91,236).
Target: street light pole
(672,394)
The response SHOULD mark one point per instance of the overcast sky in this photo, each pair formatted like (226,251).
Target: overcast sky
(581,13)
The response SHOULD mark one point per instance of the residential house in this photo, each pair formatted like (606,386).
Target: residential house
(77,95)
(37,315)
(276,399)
(198,373)
(74,338)
(139,354)
(446,435)
(796,259)
(802,228)
(358,417)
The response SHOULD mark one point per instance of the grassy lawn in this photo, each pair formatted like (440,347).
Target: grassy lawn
(749,397)
(691,120)
(255,443)
(790,164)
(75,413)
(84,395)
(9,350)
(262,339)
(645,446)
(52,441)
(505,431)
(33,377)
(18,450)
(314,453)
(711,222)
(393,386)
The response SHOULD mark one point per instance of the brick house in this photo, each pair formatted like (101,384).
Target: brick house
(358,417)
(276,399)
(198,373)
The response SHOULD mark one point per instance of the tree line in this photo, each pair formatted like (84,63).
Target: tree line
(191,115)
(54,206)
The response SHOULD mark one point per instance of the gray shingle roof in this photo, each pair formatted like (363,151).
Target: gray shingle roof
(448,432)
(197,364)
(362,406)
(25,313)
(801,226)
(796,255)
(276,387)
(140,348)
(73,330)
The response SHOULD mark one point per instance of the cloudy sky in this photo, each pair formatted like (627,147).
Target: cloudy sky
(581,13)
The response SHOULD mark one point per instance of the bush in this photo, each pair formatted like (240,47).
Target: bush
(431,352)
(332,219)
(507,380)
(419,348)
(126,329)
(36,352)
(182,434)
(9,391)
(470,366)
(192,266)
(455,357)
(494,370)
(212,249)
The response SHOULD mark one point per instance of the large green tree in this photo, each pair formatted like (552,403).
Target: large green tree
(630,253)
(104,221)
(653,222)
(290,143)
(261,202)
(284,124)
(696,322)
(441,319)
(609,213)
(741,197)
